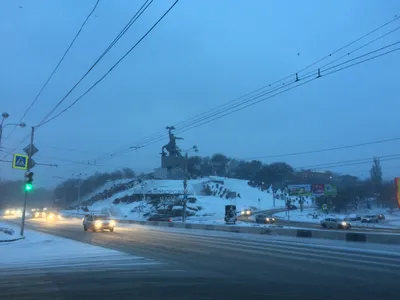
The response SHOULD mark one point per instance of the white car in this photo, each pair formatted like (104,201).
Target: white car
(97,222)
(370,219)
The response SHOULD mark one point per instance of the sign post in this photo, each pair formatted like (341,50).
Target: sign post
(30,150)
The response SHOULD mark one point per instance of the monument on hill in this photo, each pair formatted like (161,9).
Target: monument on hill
(173,162)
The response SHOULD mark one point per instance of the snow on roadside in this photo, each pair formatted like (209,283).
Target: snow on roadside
(391,220)
(48,251)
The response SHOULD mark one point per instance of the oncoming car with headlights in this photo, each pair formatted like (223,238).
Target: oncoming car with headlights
(264,219)
(97,222)
(53,216)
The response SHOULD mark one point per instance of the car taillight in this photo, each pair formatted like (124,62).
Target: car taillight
(169,220)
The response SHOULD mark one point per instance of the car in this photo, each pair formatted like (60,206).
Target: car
(246,212)
(370,219)
(39,214)
(381,217)
(335,223)
(52,216)
(97,222)
(160,218)
(264,219)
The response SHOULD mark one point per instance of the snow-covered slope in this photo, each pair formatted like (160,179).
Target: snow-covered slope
(205,207)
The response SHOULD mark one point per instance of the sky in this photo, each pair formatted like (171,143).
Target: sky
(201,55)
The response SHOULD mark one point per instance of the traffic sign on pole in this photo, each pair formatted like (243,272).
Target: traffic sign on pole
(34,150)
(20,161)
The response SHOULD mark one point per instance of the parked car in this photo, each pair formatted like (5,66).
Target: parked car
(335,223)
(97,222)
(160,218)
(264,219)
(370,219)
(353,218)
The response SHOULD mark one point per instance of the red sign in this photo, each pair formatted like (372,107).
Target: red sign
(318,189)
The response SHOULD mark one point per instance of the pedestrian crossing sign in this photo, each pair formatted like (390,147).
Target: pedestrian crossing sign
(20,161)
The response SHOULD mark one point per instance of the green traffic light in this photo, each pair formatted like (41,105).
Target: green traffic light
(28,187)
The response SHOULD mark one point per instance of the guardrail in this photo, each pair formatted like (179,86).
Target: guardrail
(342,235)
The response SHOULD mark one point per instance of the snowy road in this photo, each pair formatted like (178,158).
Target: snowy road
(220,265)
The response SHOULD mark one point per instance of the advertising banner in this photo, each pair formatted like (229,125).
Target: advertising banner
(300,190)
(397,185)
(330,190)
(318,189)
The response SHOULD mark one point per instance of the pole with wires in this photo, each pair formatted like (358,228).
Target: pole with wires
(29,175)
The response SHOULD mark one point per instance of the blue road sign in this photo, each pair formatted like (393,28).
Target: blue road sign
(20,161)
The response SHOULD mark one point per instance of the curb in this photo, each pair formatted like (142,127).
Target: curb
(349,236)
(12,240)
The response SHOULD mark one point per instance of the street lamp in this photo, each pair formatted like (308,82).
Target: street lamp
(195,149)
(79,191)
(2,125)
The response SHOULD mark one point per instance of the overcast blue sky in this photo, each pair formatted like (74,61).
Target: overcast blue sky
(203,54)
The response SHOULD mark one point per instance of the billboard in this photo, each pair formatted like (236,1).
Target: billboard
(300,190)
(397,185)
(330,190)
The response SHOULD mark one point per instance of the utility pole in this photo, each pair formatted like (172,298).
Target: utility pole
(185,189)
(185,192)
(28,171)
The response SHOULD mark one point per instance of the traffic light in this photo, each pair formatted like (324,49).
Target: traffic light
(28,182)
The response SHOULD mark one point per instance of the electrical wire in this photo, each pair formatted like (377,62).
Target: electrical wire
(229,111)
(136,16)
(291,76)
(56,68)
(44,121)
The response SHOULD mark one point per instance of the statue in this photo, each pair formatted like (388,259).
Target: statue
(171,147)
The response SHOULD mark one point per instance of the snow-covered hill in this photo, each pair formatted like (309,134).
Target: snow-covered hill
(207,198)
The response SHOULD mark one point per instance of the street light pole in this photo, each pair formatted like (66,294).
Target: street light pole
(2,125)
(194,148)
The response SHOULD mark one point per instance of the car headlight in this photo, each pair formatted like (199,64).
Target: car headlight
(273,219)
(344,224)
(7,212)
(267,219)
(97,223)
(112,223)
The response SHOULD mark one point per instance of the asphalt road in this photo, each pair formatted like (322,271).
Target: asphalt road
(211,265)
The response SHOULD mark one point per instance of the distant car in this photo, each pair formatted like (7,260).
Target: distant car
(381,217)
(335,223)
(96,222)
(370,219)
(53,216)
(246,212)
(160,218)
(353,218)
(291,207)
(265,219)
(39,214)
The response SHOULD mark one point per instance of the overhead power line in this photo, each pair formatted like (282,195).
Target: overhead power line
(325,149)
(136,16)
(141,10)
(45,120)
(56,68)
(277,91)
(351,161)
(259,92)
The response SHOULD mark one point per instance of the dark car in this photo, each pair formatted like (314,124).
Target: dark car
(160,218)
(264,219)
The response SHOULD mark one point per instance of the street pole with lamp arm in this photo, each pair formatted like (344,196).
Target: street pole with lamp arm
(2,125)
(79,191)
(195,149)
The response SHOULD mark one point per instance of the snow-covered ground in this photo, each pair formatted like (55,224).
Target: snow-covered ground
(207,208)
(39,251)
(391,220)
